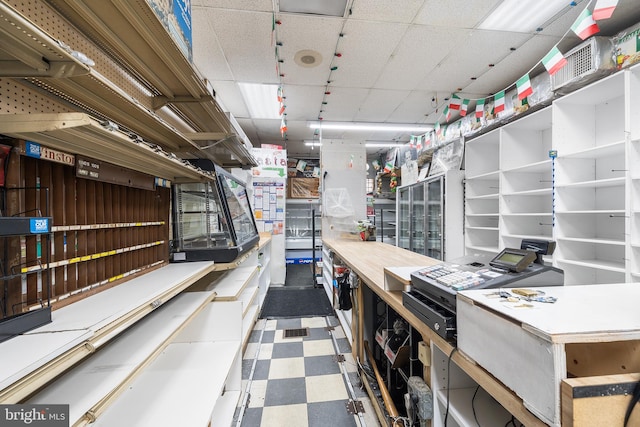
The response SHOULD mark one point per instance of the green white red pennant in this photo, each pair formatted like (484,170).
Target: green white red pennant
(554,61)
(479,108)
(524,87)
(463,107)
(585,26)
(604,9)
(499,102)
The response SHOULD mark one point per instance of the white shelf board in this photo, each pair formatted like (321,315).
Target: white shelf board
(482,215)
(230,285)
(537,167)
(248,321)
(593,212)
(536,192)
(102,373)
(484,197)
(248,298)
(527,236)
(108,306)
(596,183)
(23,354)
(599,264)
(598,241)
(482,228)
(597,93)
(178,389)
(225,408)
(528,214)
(488,411)
(485,176)
(614,149)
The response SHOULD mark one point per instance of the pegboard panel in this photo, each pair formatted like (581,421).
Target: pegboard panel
(18,98)
(50,21)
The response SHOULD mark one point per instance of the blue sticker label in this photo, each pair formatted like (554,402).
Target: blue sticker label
(39,225)
(33,149)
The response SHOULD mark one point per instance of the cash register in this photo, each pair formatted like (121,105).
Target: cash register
(432,297)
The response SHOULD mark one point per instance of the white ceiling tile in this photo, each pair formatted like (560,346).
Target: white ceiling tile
(455,13)
(228,92)
(412,109)
(255,5)
(343,103)
(302,102)
(419,51)
(385,10)
(365,49)
(379,105)
(208,55)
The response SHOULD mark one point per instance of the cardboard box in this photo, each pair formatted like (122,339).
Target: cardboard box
(304,188)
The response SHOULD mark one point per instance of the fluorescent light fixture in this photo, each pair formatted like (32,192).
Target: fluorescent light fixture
(384,127)
(313,144)
(522,16)
(261,100)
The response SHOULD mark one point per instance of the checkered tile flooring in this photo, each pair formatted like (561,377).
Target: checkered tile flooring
(299,381)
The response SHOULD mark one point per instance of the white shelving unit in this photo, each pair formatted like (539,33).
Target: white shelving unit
(587,199)
(589,134)
(482,188)
(462,398)
(180,334)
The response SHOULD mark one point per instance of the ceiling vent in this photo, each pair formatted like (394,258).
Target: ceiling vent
(586,62)
(307,58)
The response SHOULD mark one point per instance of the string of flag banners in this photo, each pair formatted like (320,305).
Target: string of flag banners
(584,27)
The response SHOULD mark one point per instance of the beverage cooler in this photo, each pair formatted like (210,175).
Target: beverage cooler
(430,215)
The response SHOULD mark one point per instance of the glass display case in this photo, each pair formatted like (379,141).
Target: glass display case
(299,223)
(212,221)
(429,216)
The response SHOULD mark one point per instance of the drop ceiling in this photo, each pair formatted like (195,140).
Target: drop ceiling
(398,60)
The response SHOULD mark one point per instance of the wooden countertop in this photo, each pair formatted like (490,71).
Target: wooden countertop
(368,260)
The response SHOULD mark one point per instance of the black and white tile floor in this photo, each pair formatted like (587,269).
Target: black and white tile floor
(301,381)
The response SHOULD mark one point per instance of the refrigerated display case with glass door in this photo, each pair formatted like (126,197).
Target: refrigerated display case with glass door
(430,216)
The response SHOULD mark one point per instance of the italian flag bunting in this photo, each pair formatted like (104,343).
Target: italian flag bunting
(437,128)
(411,139)
(454,104)
(585,26)
(524,87)
(479,108)
(427,139)
(419,144)
(283,127)
(447,113)
(604,9)
(499,102)
(463,107)
(554,61)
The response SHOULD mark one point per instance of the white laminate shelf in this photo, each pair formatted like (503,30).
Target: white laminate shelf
(614,149)
(594,240)
(77,330)
(527,236)
(485,197)
(538,167)
(178,389)
(109,370)
(536,192)
(230,286)
(487,175)
(596,183)
(617,267)
(482,228)
(490,249)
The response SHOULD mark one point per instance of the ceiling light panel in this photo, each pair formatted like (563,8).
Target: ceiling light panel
(261,100)
(314,7)
(522,16)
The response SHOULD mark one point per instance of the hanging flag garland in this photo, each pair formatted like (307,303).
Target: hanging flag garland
(454,104)
(585,26)
(479,108)
(604,9)
(419,144)
(499,102)
(283,127)
(463,107)
(554,61)
(447,113)
(523,86)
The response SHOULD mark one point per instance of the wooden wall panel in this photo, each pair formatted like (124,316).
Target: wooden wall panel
(81,235)
(57,203)
(70,218)
(30,208)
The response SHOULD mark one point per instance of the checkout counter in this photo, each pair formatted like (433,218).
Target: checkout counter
(455,371)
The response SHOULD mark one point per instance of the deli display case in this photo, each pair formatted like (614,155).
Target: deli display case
(212,221)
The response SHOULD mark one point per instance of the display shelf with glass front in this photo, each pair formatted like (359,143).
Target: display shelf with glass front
(213,220)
